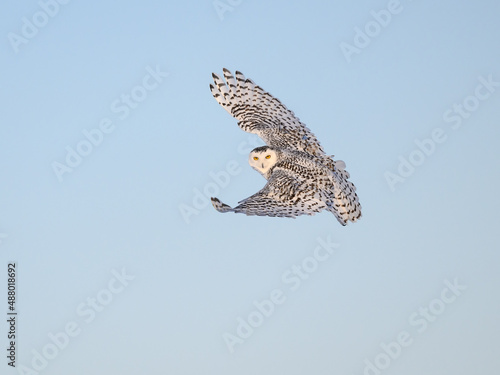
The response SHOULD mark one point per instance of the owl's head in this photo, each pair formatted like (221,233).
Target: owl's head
(262,159)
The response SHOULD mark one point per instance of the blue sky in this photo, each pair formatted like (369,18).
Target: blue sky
(109,133)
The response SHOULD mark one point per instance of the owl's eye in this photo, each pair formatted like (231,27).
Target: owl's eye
(268,156)
(255,158)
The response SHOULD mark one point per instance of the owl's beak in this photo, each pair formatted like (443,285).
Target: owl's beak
(262,165)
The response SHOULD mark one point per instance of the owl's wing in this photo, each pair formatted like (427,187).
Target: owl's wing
(284,195)
(260,113)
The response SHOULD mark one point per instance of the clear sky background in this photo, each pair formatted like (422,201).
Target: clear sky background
(134,204)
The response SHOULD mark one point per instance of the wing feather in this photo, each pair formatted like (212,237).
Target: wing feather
(260,113)
(278,198)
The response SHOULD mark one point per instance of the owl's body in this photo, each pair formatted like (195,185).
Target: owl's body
(301,178)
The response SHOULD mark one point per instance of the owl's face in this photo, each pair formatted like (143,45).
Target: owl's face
(262,159)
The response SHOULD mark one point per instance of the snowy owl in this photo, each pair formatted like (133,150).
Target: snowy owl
(301,178)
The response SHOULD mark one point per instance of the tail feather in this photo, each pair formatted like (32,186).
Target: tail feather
(345,202)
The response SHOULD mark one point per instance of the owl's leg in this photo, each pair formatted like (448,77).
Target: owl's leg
(221,207)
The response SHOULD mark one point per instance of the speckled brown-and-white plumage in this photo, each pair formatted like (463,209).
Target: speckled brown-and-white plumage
(301,178)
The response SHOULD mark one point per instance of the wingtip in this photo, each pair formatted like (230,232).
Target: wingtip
(219,206)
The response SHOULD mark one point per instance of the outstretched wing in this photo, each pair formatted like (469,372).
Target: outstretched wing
(284,196)
(260,113)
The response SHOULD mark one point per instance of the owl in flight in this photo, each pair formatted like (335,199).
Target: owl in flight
(301,178)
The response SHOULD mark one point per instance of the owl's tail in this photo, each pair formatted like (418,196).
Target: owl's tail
(344,202)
